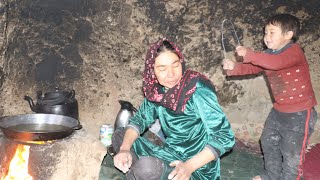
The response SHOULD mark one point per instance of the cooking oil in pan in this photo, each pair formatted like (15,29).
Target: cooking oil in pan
(38,128)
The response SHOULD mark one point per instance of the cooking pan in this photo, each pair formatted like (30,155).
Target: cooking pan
(38,127)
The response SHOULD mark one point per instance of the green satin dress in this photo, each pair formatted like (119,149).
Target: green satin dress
(203,123)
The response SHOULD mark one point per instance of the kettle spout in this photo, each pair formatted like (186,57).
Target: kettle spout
(31,104)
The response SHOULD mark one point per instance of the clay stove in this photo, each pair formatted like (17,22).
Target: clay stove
(78,156)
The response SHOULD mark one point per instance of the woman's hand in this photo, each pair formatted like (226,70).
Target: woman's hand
(227,64)
(182,171)
(123,160)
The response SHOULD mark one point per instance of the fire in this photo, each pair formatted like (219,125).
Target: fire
(18,168)
(38,142)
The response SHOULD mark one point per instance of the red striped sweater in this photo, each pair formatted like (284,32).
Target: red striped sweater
(287,73)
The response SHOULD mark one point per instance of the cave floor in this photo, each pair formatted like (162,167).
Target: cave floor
(239,164)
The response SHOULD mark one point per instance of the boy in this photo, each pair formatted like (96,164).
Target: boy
(292,118)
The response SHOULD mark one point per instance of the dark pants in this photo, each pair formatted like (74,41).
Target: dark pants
(143,168)
(284,140)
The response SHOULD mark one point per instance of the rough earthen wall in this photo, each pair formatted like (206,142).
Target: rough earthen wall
(97,47)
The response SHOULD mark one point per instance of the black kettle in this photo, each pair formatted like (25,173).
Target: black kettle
(55,102)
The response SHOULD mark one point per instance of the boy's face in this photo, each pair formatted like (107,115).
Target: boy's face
(274,38)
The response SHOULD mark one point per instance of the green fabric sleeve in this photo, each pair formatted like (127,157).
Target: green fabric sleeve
(217,126)
(145,116)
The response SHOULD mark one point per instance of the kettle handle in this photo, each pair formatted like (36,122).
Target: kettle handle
(39,95)
(73,93)
(134,109)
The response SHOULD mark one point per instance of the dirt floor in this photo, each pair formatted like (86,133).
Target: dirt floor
(242,163)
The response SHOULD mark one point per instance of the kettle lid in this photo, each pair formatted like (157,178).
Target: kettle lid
(126,105)
(55,97)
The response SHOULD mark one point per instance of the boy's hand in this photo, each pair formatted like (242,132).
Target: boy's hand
(241,50)
(227,64)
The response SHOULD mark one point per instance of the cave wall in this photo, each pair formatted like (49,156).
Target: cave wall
(97,47)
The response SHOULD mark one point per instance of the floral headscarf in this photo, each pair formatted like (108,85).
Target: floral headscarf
(176,97)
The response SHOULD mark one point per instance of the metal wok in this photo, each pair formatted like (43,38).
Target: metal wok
(38,127)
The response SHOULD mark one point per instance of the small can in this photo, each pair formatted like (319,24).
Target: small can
(106,132)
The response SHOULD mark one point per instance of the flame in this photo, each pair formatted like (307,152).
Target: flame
(38,142)
(18,168)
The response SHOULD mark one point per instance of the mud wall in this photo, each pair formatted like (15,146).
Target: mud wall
(97,47)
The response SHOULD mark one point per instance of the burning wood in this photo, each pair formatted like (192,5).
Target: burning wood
(18,168)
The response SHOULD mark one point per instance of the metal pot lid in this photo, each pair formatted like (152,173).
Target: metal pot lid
(55,97)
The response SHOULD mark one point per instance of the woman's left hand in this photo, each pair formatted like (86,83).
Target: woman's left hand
(182,171)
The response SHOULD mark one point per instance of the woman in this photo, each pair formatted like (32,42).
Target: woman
(196,130)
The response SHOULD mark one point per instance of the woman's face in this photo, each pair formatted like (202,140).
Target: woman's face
(168,69)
